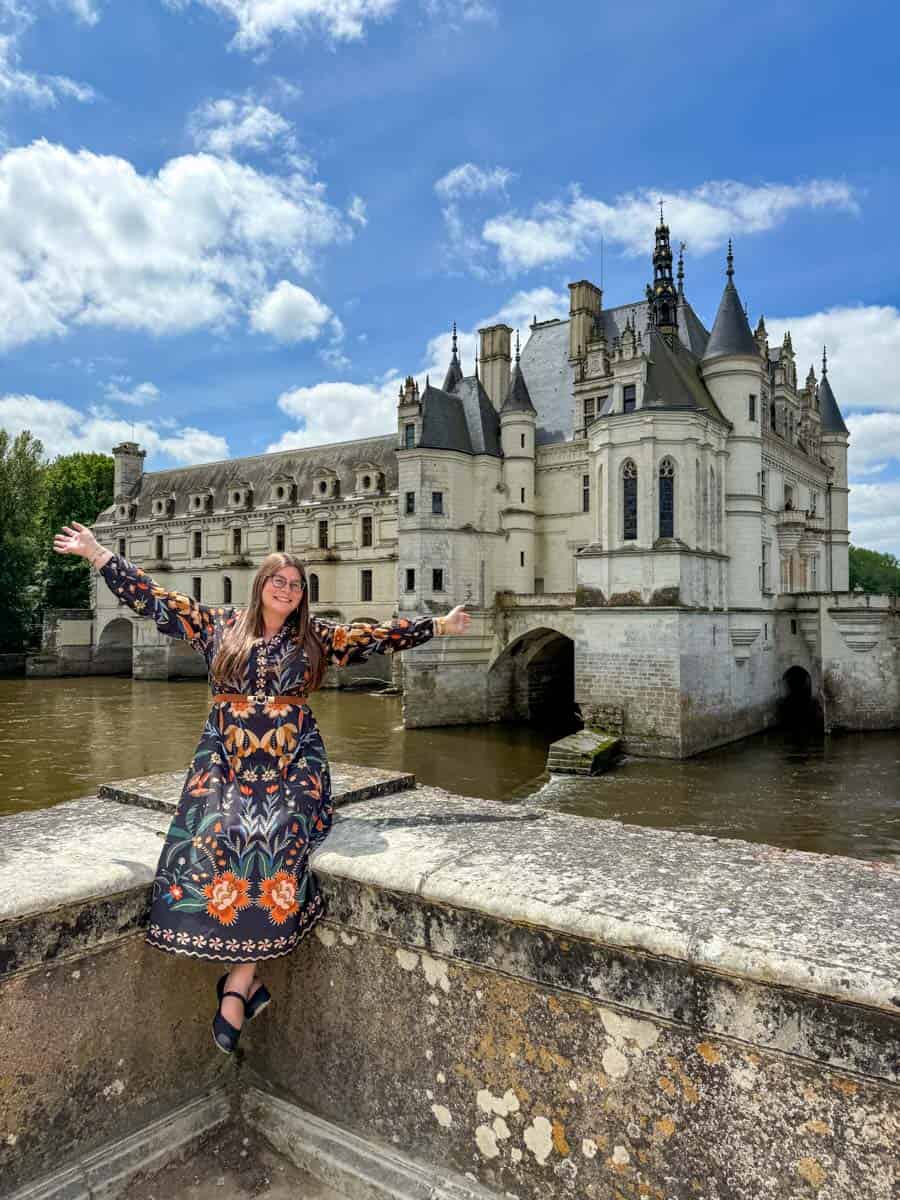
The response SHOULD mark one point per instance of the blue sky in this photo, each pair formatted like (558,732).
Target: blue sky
(234,224)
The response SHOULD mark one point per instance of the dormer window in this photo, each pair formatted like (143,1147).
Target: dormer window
(369,479)
(162,506)
(629,397)
(281,490)
(199,502)
(326,486)
(240,495)
(125,511)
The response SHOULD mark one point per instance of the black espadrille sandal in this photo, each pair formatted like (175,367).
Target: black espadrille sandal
(224,1033)
(255,1004)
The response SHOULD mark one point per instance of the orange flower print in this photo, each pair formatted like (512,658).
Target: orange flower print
(176,891)
(225,896)
(277,706)
(241,708)
(339,638)
(279,896)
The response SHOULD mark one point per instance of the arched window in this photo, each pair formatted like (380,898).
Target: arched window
(314,589)
(713,511)
(226,588)
(629,502)
(666,498)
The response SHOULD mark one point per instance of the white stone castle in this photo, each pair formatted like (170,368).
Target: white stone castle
(648,521)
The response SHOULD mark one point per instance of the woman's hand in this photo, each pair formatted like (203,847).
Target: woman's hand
(76,539)
(456,621)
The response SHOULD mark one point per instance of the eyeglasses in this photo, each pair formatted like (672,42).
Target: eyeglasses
(280,584)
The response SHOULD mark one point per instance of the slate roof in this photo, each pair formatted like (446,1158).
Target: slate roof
(454,375)
(673,379)
(517,395)
(260,470)
(463,419)
(832,421)
(731,332)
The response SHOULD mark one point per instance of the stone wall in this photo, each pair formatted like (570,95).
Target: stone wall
(629,1012)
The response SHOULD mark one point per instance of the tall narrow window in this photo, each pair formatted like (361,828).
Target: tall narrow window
(121,547)
(410,579)
(629,502)
(814,573)
(437,503)
(713,510)
(226,590)
(764,485)
(195,587)
(589,411)
(521,558)
(788,497)
(773,417)
(198,544)
(366,585)
(323,535)
(437,579)
(159,545)
(409,437)
(410,503)
(813,503)
(522,438)
(314,589)
(629,397)
(280,538)
(764,567)
(667,498)
(235,541)
(585,493)
(751,408)
(366,534)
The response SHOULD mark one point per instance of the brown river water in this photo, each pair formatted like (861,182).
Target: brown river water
(61,738)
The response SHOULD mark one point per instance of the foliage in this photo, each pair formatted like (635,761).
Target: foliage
(21,470)
(76,487)
(874,572)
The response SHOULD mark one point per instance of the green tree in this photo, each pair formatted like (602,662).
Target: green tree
(21,471)
(874,572)
(77,487)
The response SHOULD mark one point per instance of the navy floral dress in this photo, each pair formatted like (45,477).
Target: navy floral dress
(233,881)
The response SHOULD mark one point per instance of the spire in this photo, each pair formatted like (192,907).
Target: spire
(476,364)
(731,331)
(518,398)
(662,296)
(681,250)
(832,421)
(517,347)
(454,371)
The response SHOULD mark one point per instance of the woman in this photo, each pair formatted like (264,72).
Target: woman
(233,881)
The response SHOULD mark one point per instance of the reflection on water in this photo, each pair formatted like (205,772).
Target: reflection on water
(60,738)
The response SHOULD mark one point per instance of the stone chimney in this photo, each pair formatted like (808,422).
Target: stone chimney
(128,458)
(585,303)
(495,362)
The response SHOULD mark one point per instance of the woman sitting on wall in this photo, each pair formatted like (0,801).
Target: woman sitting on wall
(233,881)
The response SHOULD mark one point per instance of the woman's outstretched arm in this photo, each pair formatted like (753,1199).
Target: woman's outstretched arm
(347,644)
(175,614)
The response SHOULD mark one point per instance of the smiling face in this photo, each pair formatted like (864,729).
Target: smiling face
(282,592)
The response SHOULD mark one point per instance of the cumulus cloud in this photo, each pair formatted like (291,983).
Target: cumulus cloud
(462,12)
(87,11)
(470,180)
(233,125)
(87,240)
(357,211)
(122,390)
(43,91)
(875,516)
(704,217)
(260,21)
(863,351)
(66,430)
(290,314)
(874,442)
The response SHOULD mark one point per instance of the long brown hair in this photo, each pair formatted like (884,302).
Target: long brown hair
(233,654)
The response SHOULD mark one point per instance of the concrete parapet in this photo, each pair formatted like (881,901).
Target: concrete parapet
(549,1005)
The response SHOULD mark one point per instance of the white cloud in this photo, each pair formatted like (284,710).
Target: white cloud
(229,125)
(65,430)
(118,391)
(470,180)
(875,516)
(874,442)
(260,21)
(863,351)
(290,314)
(459,12)
(338,412)
(704,217)
(87,11)
(44,91)
(87,240)
(357,211)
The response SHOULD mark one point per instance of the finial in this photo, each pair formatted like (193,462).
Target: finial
(661,219)
(476,364)
(825,361)
(454,339)
(517,347)
(427,383)
(681,250)
(730,260)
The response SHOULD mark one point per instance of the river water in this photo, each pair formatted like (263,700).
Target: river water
(60,738)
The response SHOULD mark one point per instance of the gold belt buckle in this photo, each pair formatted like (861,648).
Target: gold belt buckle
(260,697)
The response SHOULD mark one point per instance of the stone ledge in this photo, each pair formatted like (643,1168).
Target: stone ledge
(349,784)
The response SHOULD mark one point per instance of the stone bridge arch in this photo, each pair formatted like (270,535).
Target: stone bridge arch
(114,652)
(533,678)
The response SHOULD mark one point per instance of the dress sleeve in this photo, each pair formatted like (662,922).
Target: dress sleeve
(346,644)
(175,615)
